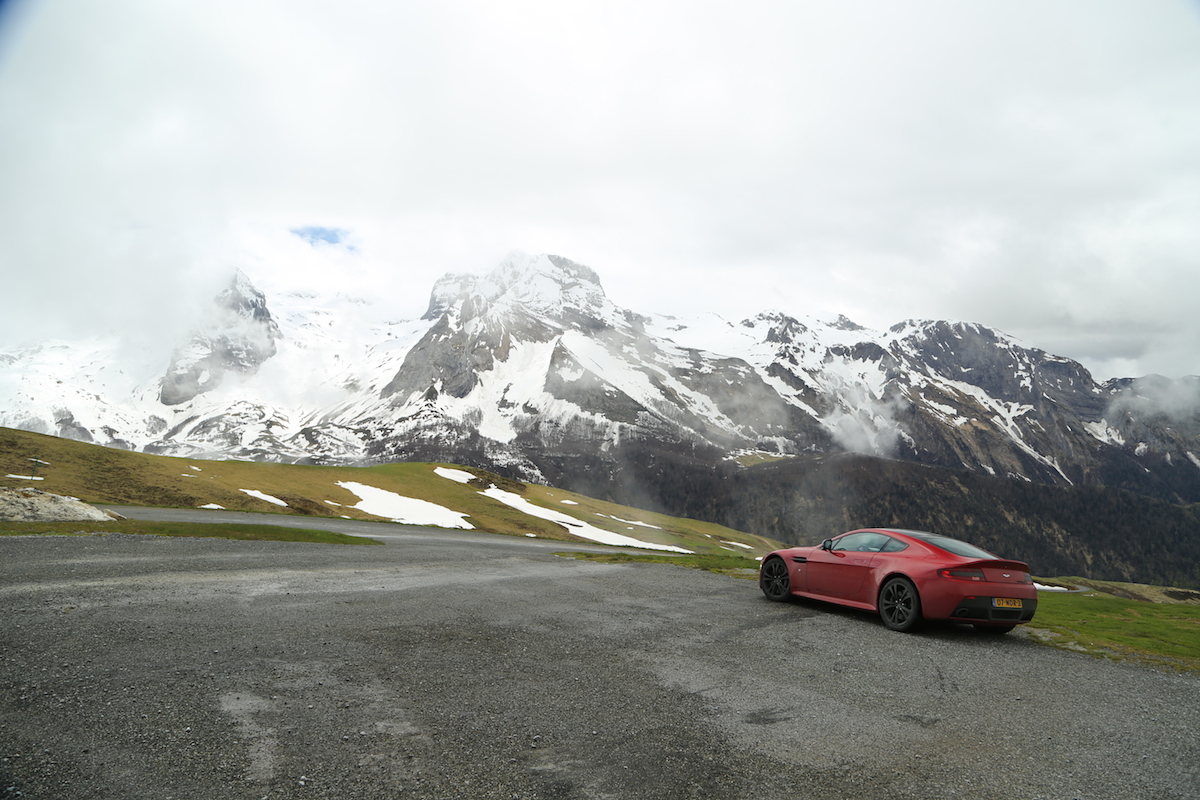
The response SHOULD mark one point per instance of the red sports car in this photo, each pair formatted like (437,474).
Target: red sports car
(906,576)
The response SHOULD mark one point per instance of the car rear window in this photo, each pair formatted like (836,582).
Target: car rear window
(959,548)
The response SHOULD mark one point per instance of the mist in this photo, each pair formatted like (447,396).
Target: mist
(864,424)
(1024,166)
(1154,395)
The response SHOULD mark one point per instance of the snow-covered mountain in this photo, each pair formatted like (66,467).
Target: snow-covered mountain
(533,371)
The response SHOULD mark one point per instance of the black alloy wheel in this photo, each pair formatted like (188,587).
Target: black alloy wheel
(774,580)
(900,605)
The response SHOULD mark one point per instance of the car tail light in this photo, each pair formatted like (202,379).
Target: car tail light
(962,574)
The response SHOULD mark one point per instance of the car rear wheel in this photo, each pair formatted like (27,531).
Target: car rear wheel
(994,630)
(774,582)
(900,605)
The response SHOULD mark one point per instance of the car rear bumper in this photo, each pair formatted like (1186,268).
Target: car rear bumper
(983,609)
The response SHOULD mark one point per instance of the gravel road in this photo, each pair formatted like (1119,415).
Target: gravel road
(455,665)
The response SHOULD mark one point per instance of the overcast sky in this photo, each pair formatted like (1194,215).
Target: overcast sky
(1032,166)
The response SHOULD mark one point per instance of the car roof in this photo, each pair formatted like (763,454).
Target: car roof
(931,540)
(919,535)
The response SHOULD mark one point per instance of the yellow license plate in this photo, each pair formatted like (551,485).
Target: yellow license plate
(1006,602)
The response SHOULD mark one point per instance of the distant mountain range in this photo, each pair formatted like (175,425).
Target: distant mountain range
(530,363)
(531,371)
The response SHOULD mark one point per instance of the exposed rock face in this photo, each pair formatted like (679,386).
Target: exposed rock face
(561,376)
(38,506)
(238,337)
(66,427)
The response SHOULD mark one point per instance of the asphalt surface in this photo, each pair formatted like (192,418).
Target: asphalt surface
(458,665)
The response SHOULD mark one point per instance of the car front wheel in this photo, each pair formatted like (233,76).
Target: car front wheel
(774,580)
(900,605)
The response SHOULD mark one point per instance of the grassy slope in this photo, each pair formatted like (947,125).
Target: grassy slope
(103,475)
(1161,633)
(272,533)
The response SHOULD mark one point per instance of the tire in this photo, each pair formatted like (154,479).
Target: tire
(994,630)
(774,580)
(900,605)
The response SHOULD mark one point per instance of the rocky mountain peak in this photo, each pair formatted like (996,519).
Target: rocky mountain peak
(548,285)
(243,299)
(238,335)
(781,328)
(478,318)
(844,323)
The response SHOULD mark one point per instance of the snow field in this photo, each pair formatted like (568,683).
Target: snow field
(406,510)
(575,526)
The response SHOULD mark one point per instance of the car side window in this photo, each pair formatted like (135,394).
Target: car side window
(894,546)
(862,542)
(845,543)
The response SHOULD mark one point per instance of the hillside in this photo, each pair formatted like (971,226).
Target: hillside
(450,496)
(1096,532)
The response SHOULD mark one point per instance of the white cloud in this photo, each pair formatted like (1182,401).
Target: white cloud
(1025,165)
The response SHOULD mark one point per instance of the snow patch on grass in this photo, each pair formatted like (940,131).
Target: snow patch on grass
(407,510)
(457,475)
(630,521)
(264,496)
(575,526)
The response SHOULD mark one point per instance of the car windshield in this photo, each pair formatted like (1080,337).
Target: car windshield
(959,548)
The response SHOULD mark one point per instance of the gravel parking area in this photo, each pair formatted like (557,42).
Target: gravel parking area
(460,666)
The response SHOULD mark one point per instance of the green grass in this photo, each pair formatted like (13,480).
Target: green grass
(1163,634)
(272,533)
(737,566)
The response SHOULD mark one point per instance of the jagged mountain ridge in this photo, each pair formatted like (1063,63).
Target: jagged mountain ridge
(239,336)
(533,371)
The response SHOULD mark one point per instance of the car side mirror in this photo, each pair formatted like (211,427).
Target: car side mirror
(827,544)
